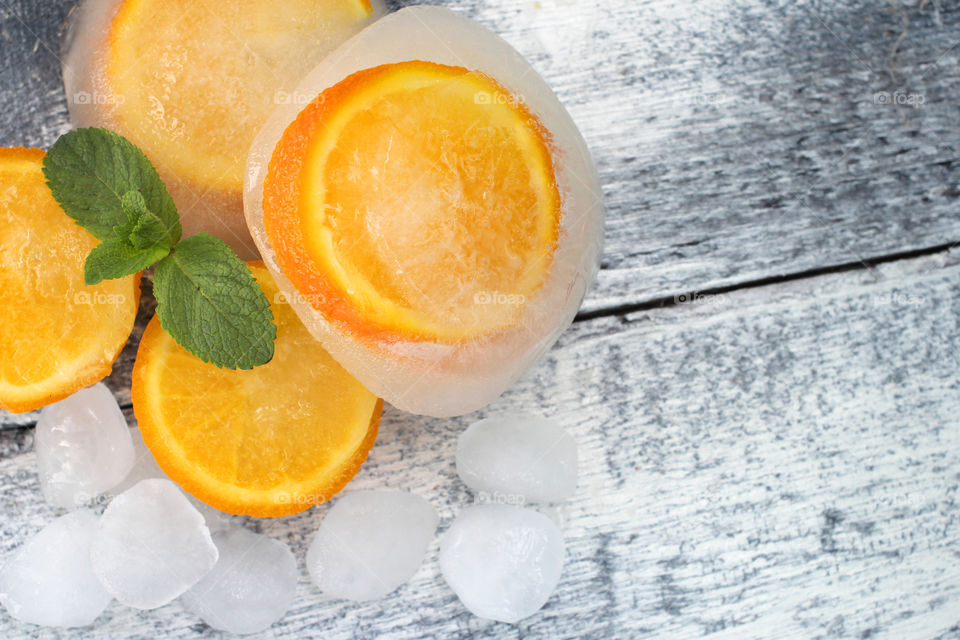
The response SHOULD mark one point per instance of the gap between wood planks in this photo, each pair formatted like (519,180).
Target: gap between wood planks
(672,300)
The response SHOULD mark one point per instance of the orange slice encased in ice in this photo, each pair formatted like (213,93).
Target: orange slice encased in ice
(191,82)
(195,79)
(417,200)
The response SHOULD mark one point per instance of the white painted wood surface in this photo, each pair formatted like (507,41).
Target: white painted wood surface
(778,461)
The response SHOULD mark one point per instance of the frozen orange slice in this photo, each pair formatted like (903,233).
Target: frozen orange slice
(192,81)
(405,195)
(268,441)
(57,335)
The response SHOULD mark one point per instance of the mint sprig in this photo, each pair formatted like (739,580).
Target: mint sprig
(90,171)
(207,299)
(219,305)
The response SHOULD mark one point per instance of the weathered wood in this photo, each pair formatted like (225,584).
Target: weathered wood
(735,141)
(777,462)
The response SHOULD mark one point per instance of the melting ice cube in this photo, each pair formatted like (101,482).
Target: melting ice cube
(251,586)
(49,580)
(503,562)
(521,455)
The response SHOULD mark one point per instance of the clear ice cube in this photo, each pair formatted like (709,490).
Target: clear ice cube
(83,447)
(503,562)
(151,545)
(251,586)
(520,456)
(49,580)
(370,543)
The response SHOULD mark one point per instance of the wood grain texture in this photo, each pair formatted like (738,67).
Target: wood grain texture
(734,140)
(780,461)
(777,462)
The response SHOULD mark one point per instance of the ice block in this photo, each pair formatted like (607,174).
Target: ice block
(433,214)
(191,83)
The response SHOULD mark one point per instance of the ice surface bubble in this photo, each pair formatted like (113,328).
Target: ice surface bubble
(370,543)
(49,580)
(145,466)
(83,447)
(521,455)
(251,586)
(503,562)
(151,545)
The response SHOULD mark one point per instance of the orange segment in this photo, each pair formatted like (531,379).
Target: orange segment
(57,335)
(268,441)
(414,199)
(196,79)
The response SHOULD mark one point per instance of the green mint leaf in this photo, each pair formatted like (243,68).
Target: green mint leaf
(134,205)
(142,229)
(208,301)
(132,210)
(149,232)
(89,171)
(115,258)
(135,245)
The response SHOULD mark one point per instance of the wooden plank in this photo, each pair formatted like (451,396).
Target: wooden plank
(742,140)
(735,140)
(776,462)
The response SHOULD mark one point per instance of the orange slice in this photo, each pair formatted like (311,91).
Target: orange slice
(57,335)
(194,80)
(414,200)
(268,441)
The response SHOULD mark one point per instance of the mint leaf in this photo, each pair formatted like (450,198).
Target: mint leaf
(114,258)
(211,305)
(89,171)
(143,230)
(207,299)
(135,245)
(134,205)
